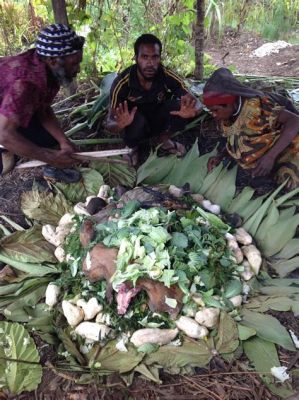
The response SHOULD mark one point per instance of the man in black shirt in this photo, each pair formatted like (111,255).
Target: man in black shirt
(149,100)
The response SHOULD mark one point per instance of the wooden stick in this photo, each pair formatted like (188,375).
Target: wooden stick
(85,156)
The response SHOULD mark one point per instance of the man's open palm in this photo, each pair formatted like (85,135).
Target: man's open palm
(123,116)
(188,107)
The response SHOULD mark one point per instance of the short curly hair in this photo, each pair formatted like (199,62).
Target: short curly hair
(146,38)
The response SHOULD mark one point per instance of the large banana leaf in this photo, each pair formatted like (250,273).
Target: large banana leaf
(27,246)
(103,100)
(77,192)
(156,169)
(279,234)
(19,367)
(115,174)
(190,353)
(252,224)
(290,249)
(46,208)
(267,328)
(262,354)
(222,191)
(270,220)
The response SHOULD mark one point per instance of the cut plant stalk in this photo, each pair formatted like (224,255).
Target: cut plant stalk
(85,156)
(97,141)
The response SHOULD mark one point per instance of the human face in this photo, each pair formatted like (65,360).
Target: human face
(222,112)
(71,64)
(66,68)
(148,60)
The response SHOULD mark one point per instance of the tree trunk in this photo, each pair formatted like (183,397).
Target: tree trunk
(82,4)
(60,14)
(199,38)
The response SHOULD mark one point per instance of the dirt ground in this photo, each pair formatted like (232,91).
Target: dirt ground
(222,380)
(236,51)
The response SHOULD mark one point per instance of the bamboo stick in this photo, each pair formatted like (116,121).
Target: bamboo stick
(85,156)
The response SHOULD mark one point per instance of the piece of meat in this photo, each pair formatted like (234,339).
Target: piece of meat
(87,232)
(99,265)
(157,292)
(124,295)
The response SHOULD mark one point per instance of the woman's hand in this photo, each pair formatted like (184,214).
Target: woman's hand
(263,166)
(213,162)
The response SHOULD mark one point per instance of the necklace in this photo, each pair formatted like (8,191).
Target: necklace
(239,107)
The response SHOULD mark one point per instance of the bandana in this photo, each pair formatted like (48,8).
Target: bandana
(58,40)
(216,98)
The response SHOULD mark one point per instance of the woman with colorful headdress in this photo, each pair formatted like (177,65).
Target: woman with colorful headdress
(261,129)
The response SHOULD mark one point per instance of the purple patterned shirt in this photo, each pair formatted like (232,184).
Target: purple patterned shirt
(26,87)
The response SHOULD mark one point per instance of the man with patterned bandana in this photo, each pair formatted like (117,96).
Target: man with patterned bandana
(29,82)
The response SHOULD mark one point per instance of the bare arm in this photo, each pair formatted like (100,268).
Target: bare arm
(289,130)
(18,144)
(51,124)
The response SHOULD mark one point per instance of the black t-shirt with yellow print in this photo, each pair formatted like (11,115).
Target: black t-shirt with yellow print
(126,86)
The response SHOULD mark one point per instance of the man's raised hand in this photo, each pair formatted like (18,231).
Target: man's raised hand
(188,108)
(123,116)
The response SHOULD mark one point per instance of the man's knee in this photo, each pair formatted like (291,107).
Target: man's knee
(137,131)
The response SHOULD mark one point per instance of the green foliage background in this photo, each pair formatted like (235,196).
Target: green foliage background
(112,26)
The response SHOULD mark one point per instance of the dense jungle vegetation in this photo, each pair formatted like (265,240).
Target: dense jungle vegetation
(111,27)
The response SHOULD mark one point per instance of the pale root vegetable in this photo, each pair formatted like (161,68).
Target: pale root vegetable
(247,274)
(121,346)
(90,308)
(52,294)
(61,233)
(72,313)
(236,300)
(92,331)
(103,318)
(59,253)
(208,317)
(153,336)
(175,191)
(243,237)
(253,256)
(191,328)
(104,192)
(48,232)
(213,208)
(80,209)
(66,219)
(235,249)
(198,198)
(197,298)
(206,204)
(229,236)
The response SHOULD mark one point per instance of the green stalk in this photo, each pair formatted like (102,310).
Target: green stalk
(76,128)
(97,141)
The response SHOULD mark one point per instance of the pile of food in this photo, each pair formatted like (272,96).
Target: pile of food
(150,276)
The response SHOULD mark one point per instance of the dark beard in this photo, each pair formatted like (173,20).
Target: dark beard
(59,75)
(145,77)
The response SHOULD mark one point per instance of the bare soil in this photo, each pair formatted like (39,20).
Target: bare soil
(236,50)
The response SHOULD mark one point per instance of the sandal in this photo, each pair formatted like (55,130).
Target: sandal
(66,175)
